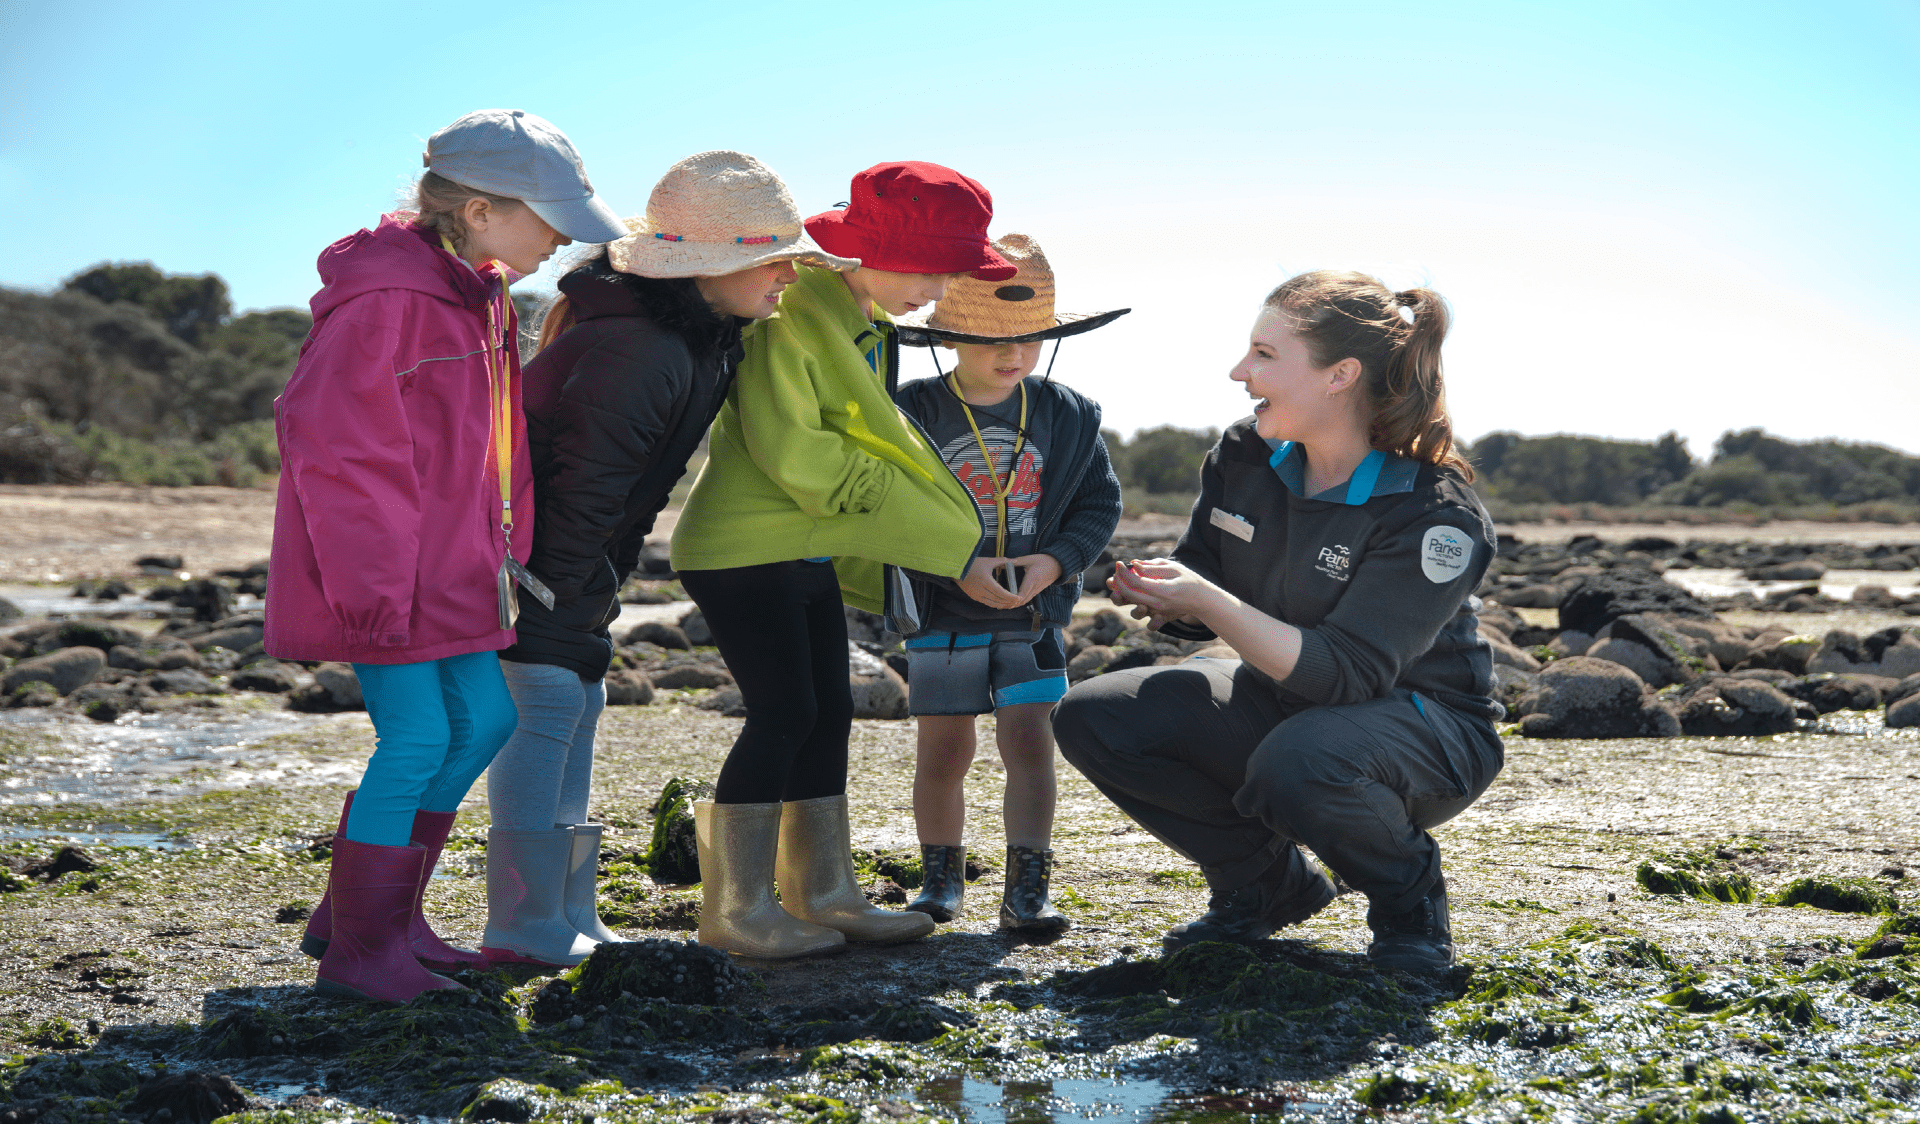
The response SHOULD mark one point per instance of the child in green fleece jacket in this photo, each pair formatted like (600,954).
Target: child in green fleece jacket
(815,482)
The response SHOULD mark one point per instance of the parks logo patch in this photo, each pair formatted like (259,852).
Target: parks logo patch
(1445,555)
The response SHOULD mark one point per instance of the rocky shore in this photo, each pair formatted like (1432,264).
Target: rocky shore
(1687,898)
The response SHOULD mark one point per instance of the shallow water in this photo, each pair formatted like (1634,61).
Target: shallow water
(154,755)
(1837,584)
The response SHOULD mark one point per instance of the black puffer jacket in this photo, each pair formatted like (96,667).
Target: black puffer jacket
(615,407)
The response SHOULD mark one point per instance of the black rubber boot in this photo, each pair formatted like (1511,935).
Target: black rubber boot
(945,885)
(1024,907)
(1419,939)
(1252,912)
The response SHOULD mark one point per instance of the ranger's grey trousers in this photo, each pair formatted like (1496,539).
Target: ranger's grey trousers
(1224,769)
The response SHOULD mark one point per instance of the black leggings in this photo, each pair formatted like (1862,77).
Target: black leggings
(783,631)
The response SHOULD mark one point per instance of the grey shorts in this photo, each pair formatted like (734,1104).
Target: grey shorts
(979,672)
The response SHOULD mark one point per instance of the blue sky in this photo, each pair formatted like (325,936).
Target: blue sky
(1692,216)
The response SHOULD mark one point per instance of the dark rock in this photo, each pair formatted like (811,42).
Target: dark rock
(103,704)
(1146,655)
(1804,570)
(887,892)
(1789,654)
(65,670)
(1904,713)
(292,913)
(694,624)
(1570,643)
(1635,657)
(341,683)
(185,681)
(1730,707)
(160,563)
(628,688)
(1728,644)
(1828,693)
(1538,596)
(1089,662)
(1501,619)
(655,632)
(1583,697)
(899,663)
(234,639)
(1504,651)
(9,611)
(727,701)
(695,675)
(66,860)
(92,634)
(877,691)
(1599,599)
(36,693)
(159,654)
(188,1098)
(208,599)
(677,971)
(656,560)
(1509,683)
(1684,658)
(1103,628)
(269,676)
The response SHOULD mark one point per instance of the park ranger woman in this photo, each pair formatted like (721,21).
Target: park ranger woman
(1335,546)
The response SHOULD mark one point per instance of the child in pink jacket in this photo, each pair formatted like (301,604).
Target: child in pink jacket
(405,508)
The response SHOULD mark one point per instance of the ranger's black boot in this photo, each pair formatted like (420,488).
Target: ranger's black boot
(1024,907)
(945,872)
(1420,938)
(1294,891)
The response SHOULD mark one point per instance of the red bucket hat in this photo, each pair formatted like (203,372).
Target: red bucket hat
(908,216)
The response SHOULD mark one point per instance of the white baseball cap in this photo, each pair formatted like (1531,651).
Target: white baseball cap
(513,153)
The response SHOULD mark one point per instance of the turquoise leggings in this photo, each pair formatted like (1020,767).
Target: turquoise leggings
(437,724)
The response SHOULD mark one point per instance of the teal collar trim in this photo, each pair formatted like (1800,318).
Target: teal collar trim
(1379,474)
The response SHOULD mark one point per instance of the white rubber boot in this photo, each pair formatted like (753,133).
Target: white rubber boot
(583,872)
(526,912)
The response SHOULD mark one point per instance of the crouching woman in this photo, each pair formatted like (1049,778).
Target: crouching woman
(1335,547)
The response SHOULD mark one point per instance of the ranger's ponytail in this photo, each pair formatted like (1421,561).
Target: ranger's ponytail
(1396,337)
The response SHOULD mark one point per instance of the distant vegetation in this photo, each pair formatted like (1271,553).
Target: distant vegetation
(131,374)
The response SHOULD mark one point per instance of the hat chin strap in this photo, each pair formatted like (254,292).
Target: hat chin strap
(933,353)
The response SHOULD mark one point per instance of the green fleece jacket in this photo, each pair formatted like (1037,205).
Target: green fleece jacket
(811,458)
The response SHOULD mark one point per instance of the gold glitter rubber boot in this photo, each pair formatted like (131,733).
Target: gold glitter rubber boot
(738,912)
(816,877)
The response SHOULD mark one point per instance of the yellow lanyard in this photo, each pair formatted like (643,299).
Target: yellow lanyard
(1000,491)
(499,394)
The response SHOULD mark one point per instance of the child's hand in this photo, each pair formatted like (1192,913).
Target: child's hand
(982,584)
(1038,573)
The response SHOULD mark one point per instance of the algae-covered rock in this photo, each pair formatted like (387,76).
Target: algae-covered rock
(673,856)
(1896,936)
(1728,707)
(1730,886)
(1584,697)
(250,1032)
(1789,654)
(1601,597)
(66,670)
(1841,895)
(189,1098)
(1828,692)
(55,1033)
(679,972)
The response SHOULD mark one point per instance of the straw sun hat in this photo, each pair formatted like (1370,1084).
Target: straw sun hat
(715,213)
(1018,309)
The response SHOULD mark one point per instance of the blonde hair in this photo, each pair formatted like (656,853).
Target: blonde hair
(1396,336)
(439,203)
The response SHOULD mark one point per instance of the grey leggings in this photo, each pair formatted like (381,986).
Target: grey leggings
(1230,773)
(542,776)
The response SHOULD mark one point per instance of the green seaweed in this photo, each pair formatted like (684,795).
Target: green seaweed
(1841,895)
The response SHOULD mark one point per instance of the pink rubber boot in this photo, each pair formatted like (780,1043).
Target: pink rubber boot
(374,889)
(320,924)
(430,830)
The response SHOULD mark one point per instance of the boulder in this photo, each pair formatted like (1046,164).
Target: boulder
(694,624)
(656,632)
(1904,713)
(1892,652)
(1584,697)
(270,676)
(1789,654)
(1905,689)
(696,675)
(1509,683)
(9,611)
(1505,653)
(1102,629)
(1727,643)
(1728,707)
(1534,597)
(1828,692)
(1685,658)
(93,634)
(1089,662)
(162,653)
(1804,570)
(1643,661)
(236,638)
(1570,642)
(1600,598)
(727,701)
(877,691)
(65,670)
(628,688)
(1501,619)
(103,703)
(342,684)
(183,681)
(1874,597)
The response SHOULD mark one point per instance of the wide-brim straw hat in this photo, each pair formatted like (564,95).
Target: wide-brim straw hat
(1016,310)
(716,213)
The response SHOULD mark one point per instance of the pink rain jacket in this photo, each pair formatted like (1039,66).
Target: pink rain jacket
(386,536)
